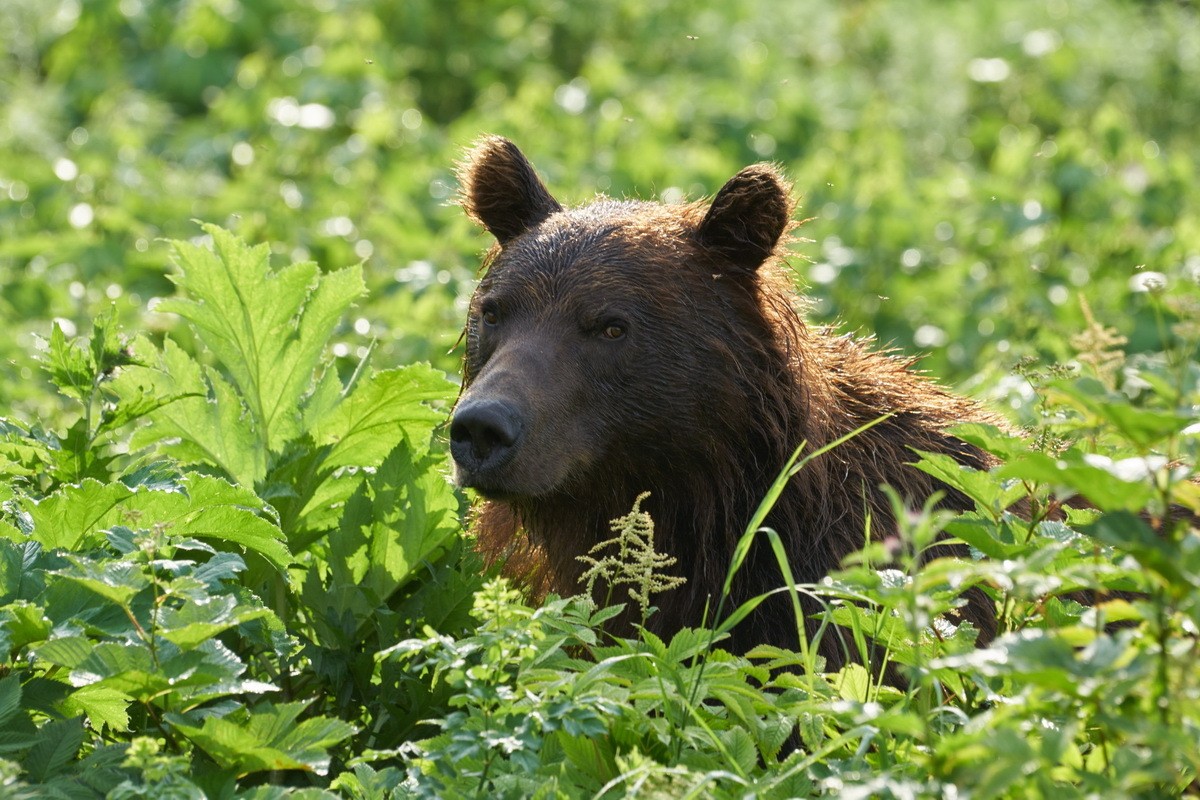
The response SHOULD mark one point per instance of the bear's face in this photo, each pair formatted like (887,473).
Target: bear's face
(594,334)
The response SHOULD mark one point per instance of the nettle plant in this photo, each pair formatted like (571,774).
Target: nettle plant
(195,576)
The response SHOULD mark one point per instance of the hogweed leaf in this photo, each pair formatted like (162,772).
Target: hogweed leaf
(77,365)
(68,365)
(204,507)
(267,738)
(402,516)
(371,421)
(196,416)
(267,328)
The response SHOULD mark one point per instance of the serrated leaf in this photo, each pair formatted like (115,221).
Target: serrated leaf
(267,328)
(1101,487)
(853,683)
(1142,427)
(992,439)
(24,623)
(207,508)
(194,622)
(207,671)
(57,745)
(10,698)
(12,566)
(116,659)
(196,415)
(1163,557)
(389,407)
(741,749)
(68,365)
(65,651)
(74,514)
(987,491)
(103,706)
(400,517)
(269,739)
(116,581)
(983,535)
(221,567)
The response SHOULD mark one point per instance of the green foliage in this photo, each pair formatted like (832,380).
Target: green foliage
(231,564)
(967,169)
(195,578)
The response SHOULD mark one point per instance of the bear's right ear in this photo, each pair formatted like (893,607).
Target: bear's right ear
(748,217)
(500,190)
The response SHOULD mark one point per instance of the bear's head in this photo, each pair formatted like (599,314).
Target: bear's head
(619,343)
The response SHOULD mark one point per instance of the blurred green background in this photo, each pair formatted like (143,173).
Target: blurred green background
(968,169)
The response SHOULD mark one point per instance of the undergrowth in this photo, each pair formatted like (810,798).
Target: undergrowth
(239,573)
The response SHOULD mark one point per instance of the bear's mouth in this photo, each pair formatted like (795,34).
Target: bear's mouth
(500,483)
(489,486)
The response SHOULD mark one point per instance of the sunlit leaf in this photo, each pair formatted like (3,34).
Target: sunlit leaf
(204,507)
(267,738)
(391,406)
(103,706)
(267,328)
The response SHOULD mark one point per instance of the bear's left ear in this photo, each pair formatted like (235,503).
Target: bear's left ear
(501,191)
(748,216)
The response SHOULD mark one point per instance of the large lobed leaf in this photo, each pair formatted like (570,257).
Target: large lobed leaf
(397,520)
(266,738)
(266,328)
(201,506)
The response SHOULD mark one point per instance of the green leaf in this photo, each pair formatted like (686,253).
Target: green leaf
(117,581)
(1101,487)
(205,507)
(76,366)
(1004,445)
(10,698)
(740,746)
(68,365)
(389,407)
(196,416)
(208,671)
(73,515)
(12,567)
(24,623)
(403,515)
(1178,565)
(267,328)
(853,683)
(66,651)
(267,738)
(1141,427)
(57,745)
(17,731)
(197,622)
(988,491)
(104,707)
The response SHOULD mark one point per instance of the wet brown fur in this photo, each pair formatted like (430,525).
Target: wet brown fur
(779,382)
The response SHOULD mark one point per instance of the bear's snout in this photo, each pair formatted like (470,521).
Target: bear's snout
(484,435)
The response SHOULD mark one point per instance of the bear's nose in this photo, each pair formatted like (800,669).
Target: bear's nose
(483,434)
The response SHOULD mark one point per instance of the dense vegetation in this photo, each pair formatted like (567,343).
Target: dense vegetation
(231,564)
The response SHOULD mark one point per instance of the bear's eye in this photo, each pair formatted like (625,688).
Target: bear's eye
(613,331)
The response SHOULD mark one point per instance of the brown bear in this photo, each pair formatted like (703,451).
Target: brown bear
(625,347)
